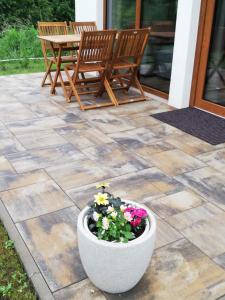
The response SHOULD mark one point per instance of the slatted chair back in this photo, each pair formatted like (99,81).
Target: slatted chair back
(51,28)
(96,46)
(131,44)
(79,27)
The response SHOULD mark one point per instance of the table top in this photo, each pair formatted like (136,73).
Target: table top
(61,39)
(75,38)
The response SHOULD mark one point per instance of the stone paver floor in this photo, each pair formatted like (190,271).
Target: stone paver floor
(51,157)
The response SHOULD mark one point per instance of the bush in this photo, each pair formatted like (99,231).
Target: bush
(21,42)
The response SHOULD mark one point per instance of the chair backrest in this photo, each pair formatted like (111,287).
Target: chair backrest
(96,46)
(131,44)
(79,27)
(51,28)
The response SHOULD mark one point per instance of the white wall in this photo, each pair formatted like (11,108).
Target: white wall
(89,10)
(184,52)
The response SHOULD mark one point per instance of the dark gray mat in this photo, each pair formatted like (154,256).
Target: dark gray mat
(198,123)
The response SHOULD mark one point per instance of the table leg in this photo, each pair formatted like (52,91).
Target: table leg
(58,66)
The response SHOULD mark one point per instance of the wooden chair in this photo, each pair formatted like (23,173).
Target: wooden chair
(94,54)
(79,27)
(52,28)
(126,60)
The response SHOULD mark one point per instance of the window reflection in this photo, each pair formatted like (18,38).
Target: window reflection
(156,66)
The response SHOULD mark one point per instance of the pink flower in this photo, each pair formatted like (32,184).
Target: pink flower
(136,222)
(131,210)
(128,216)
(141,213)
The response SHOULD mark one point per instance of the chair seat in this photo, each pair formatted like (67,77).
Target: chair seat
(87,67)
(65,59)
(123,64)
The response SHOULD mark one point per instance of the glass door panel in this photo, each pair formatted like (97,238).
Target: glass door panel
(160,15)
(214,89)
(121,14)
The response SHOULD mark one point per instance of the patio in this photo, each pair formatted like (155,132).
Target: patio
(51,157)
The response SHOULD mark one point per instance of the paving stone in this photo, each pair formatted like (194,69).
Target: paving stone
(178,271)
(134,137)
(41,139)
(189,144)
(83,290)
(115,157)
(175,203)
(107,122)
(80,173)
(34,200)
(215,159)
(165,234)
(204,227)
(12,181)
(5,167)
(45,109)
(35,125)
(142,186)
(207,182)
(84,137)
(10,145)
(220,260)
(175,162)
(52,240)
(42,158)
(115,140)
(14,112)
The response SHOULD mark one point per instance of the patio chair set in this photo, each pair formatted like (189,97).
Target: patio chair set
(94,61)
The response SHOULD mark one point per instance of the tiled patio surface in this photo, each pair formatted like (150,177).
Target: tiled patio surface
(51,156)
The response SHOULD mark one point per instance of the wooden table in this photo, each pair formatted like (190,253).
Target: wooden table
(58,44)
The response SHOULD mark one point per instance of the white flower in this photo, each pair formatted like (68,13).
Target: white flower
(110,209)
(96,216)
(105,223)
(128,216)
(122,208)
(114,214)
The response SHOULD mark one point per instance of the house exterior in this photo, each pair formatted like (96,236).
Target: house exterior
(184,61)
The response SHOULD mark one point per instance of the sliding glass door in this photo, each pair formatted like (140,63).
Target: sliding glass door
(210,91)
(155,70)
(160,15)
(121,14)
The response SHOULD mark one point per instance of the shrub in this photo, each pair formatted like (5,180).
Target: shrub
(21,42)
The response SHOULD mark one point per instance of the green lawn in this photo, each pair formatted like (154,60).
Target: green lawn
(14,283)
(21,67)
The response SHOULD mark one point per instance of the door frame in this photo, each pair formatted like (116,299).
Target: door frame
(201,59)
(137,26)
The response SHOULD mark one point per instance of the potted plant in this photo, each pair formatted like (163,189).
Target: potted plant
(116,241)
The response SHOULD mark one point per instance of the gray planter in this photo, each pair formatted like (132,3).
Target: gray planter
(115,267)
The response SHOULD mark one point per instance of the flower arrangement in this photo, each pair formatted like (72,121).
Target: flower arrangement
(111,219)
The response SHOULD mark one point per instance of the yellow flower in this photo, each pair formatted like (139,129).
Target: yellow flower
(101,199)
(102,185)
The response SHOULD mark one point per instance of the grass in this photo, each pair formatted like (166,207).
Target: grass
(21,67)
(14,284)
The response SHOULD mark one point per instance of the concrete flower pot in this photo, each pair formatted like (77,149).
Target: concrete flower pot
(115,267)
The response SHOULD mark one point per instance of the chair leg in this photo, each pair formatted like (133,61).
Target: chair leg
(73,89)
(139,87)
(110,92)
(47,73)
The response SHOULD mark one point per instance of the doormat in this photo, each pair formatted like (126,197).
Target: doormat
(198,123)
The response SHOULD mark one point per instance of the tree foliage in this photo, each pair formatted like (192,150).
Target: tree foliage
(14,12)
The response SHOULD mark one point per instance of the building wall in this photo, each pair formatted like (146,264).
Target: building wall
(89,10)
(184,46)
(184,52)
